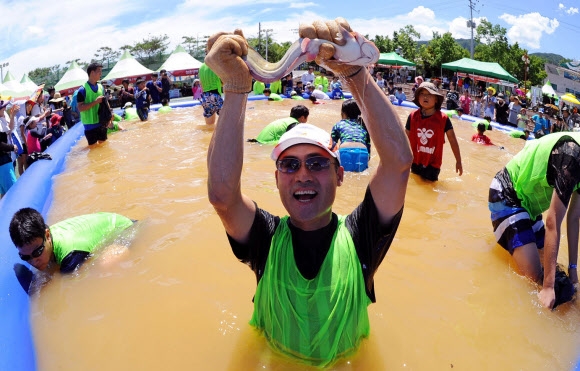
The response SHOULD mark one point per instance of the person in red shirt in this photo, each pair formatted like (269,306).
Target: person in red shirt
(480,137)
(426,129)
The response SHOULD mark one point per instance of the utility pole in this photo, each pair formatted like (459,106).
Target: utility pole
(268,30)
(470,23)
(259,37)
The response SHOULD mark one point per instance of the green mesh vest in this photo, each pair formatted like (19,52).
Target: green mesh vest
(316,320)
(528,171)
(91,116)
(85,232)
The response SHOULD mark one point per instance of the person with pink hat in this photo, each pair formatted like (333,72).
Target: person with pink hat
(314,268)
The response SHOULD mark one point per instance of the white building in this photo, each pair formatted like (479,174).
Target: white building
(564,79)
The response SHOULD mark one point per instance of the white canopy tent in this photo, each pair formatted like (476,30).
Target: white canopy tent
(28,84)
(73,78)
(12,88)
(180,63)
(127,68)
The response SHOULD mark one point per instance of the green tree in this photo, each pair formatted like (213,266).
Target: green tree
(406,39)
(106,55)
(39,75)
(190,43)
(383,43)
(147,49)
(441,49)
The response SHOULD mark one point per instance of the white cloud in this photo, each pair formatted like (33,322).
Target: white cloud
(527,29)
(459,30)
(570,11)
(302,5)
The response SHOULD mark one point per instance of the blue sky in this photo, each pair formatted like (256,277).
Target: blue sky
(68,29)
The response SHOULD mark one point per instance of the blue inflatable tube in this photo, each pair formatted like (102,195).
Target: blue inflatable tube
(33,189)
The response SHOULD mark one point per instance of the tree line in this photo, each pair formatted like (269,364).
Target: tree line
(491,45)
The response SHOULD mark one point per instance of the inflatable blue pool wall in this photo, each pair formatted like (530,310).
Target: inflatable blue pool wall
(33,189)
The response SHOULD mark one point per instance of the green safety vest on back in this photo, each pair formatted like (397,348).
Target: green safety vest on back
(85,232)
(258,87)
(273,131)
(91,116)
(528,170)
(275,97)
(208,79)
(318,320)
(276,87)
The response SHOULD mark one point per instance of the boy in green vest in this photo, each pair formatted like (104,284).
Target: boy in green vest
(314,268)
(89,98)
(543,177)
(65,244)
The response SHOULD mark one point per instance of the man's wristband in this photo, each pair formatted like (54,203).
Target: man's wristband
(572,266)
(354,74)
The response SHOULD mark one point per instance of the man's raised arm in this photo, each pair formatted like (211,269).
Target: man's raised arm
(389,184)
(226,152)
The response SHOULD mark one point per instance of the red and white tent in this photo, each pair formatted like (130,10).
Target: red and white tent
(72,79)
(180,63)
(127,68)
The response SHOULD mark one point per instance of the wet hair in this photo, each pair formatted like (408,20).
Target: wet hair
(267,90)
(164,102)
(487,118)
(481,127)
(93,67)
(299,111)
(350,109)
(312,98)
(352,112)
(26,225)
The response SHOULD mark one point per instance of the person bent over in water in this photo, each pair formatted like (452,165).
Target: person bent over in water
(543,176)
(308,306)
(272,132)
(67,243)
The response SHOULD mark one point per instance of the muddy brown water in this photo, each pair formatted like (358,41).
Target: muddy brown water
(448,297)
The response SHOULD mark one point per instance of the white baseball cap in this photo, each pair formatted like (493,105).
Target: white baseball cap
(306,134)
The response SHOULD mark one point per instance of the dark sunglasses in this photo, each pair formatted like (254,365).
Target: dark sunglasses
(292,165)
(35,254)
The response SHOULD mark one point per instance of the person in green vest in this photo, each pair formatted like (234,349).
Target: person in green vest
(89,98)
(295,96)
(272,96)
(543,177)
(486,122)
(272,132)
(321,80)
(314,268)
(518,134)
(276,87)
(258,87)
(115,124)
(211,98)
(164,106)
(129,112)
(66,244)
(455,112)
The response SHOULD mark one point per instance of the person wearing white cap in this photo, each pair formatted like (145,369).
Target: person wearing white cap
(314,268)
